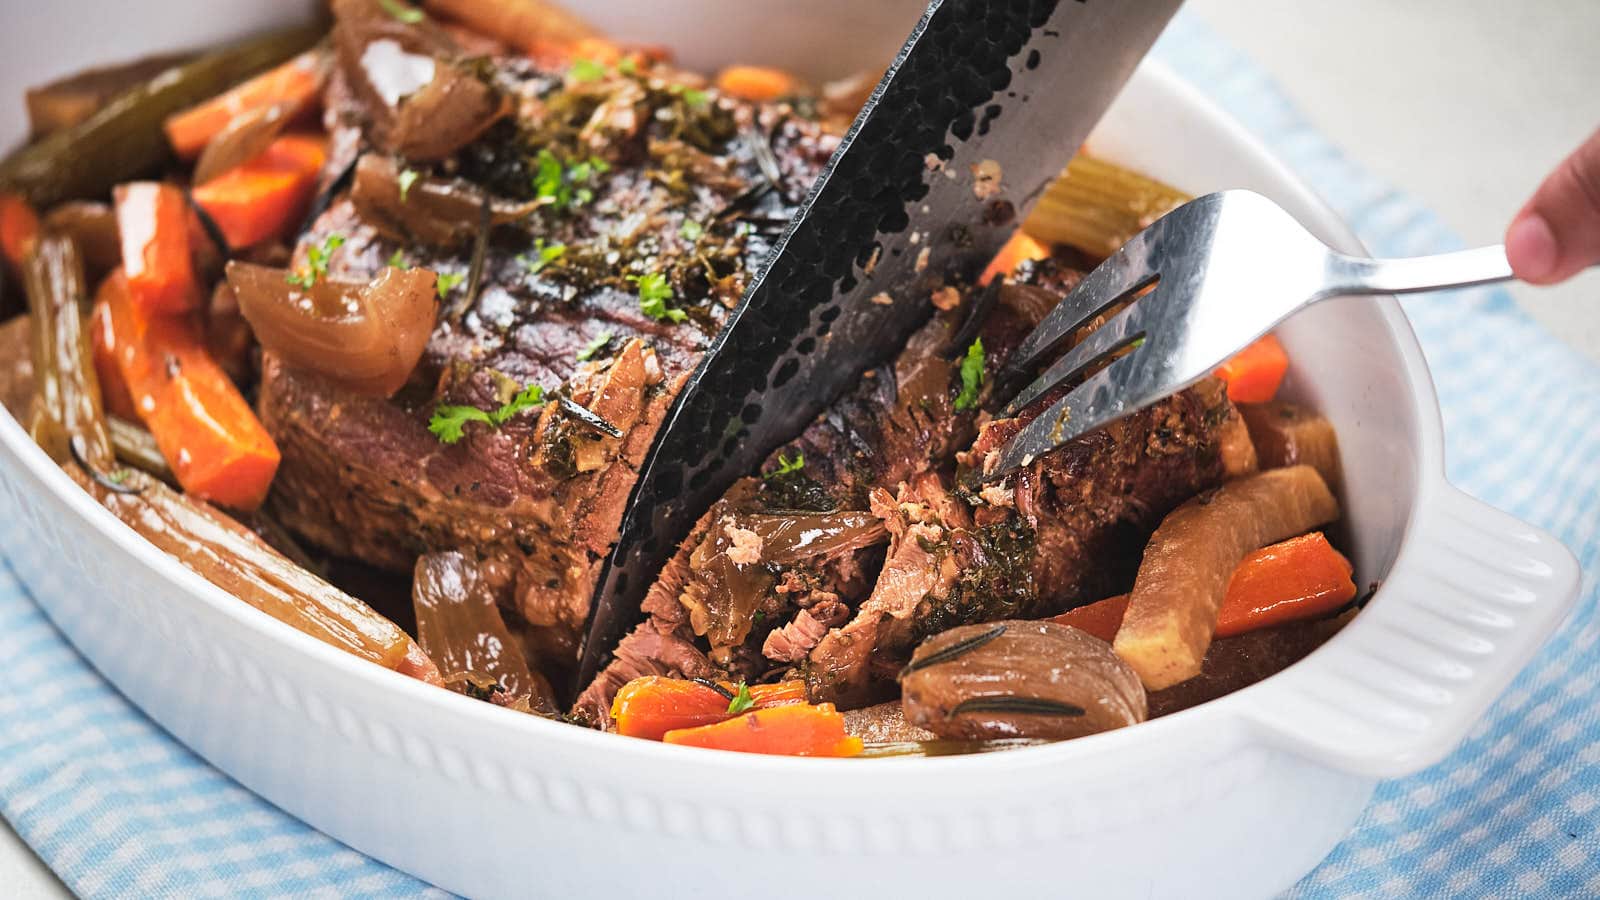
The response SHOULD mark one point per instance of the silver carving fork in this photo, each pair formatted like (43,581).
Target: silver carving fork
(1222,270)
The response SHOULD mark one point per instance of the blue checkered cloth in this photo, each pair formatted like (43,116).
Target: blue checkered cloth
(117,807)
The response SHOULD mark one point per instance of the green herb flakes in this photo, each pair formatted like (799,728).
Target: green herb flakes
(408,177)
(691,230)
(654,292)
(397,260)
(594,346)
(447,282)
(787,466)
(448,421)
(742,700)
(563,186)
(316,262)
(585,70)
(404,13)
(543,256)
(971,376)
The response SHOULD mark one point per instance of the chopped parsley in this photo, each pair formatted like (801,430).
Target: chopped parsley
(691,230)
(627,66)
(742,700)
(1136,344)
(397,260)
(404,13)
(695,98)
(654,292)
(787,466)
(594,346)
(447,282)
(544,255)
(448,421)
(408,177)
(971,376)
(565,186)
(586,70)
(316,262)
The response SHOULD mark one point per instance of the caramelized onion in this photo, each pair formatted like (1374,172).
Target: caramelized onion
(244,138)
(460,627)
(438,212)
(93,227)
(367,338)
(422,101)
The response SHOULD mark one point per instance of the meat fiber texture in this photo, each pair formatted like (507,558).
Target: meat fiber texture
(1066,531)
(648,183)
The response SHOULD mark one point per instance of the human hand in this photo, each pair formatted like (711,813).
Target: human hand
(1557,234)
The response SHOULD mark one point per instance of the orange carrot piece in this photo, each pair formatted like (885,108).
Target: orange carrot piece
(295,83)
(217,448)
(262,198)
(114,393)
(1301,578)
(19,229)
(1017,249)
(1296,579)
(1101,618)
(153,221)
(758,84)
(653,705)
(797,729)
(1255,373)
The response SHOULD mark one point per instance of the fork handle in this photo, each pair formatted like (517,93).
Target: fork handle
(1463,268)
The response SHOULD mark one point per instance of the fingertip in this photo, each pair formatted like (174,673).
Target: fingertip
(1531,248)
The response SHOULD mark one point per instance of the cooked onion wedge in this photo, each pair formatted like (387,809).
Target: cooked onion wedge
(1172,611)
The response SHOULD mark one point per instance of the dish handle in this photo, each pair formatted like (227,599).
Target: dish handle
(1473,595)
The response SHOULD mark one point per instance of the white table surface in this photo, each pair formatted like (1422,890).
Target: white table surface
(1464,104)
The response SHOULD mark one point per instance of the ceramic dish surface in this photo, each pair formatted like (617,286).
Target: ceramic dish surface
(488,802)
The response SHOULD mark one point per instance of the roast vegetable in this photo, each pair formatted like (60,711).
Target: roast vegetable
(1097,206)
(1184,576)
(93,227)
(265,197)
(1285,434)
(796,729)
(537,27)
(367,338)
(285,89)
(124,139)
(153,222)
(19,229)
(66,102)
(66,407)
(216,447)
(1301,578)
(233,558)
(651,706)
(460,628)
(1018,679)
(411,208)
(138,448)
(759,84)
(1254,373)
(1018,248)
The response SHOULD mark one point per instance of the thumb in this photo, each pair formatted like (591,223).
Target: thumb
(1557,233)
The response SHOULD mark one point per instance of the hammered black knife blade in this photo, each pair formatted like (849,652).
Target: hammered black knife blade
(981,108)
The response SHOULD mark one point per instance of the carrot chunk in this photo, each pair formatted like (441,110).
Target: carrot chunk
(1017,249)
(758,84)
(262,198)
(217,448)
(1301,578)
(653,705)
(114,393)
(793,730)
(1255,373)
(19,229)
(153,221)
(294,83)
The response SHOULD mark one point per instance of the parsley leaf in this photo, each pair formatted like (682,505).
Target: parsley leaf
(316,262)
(402,12)
(787,466)
(546,254)
(594,346)
(565,186)
(971,376)
(407,178)
(691,230)
(654,292)
(447,282)
(547,180)
(586,70)
(742,700)
(695,98)
(627,66)
(448,421)
(397,260)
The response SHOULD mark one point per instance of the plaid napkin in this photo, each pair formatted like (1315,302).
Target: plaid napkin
(117,807)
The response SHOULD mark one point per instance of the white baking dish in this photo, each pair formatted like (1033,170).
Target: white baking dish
(488,802)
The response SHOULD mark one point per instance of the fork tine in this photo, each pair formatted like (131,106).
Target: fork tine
(1122,273)
(1123,328)
(1082,410)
